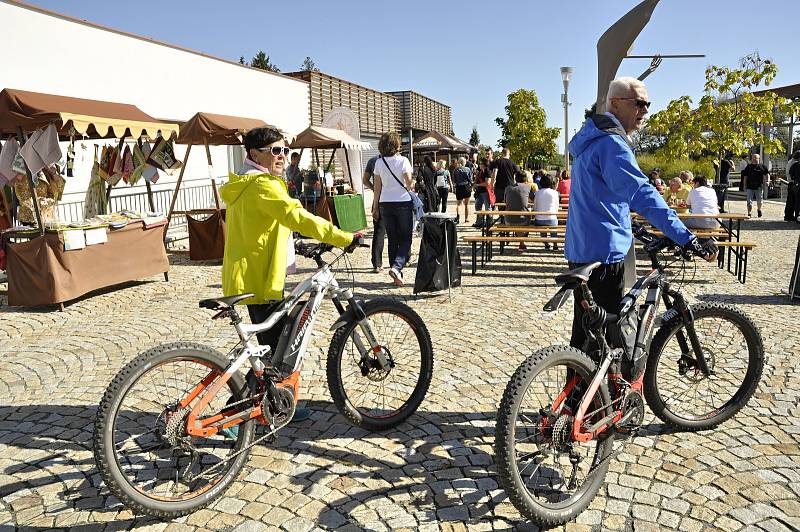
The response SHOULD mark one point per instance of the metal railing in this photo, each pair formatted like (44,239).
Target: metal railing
(189,197)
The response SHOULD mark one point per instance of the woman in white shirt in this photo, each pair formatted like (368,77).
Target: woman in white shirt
(392,202)
(702,200)
(546,200)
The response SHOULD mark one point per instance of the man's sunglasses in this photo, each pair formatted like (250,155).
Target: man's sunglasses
(641,104)
(276,150)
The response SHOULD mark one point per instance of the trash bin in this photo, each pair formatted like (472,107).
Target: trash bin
(439,263)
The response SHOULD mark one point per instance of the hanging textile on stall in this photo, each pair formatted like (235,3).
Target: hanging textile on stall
(10,151)
(94,201)
(127,164)
(49,189)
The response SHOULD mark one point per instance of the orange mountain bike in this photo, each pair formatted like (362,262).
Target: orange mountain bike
(176,425)
(563,406)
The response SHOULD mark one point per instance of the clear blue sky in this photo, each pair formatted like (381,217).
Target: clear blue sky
(466,54)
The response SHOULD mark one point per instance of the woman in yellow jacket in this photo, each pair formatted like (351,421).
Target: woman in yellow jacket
(260,219)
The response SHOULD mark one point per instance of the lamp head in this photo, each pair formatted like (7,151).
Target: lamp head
(566,74)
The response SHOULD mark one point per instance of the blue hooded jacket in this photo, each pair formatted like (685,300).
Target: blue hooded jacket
(606,185)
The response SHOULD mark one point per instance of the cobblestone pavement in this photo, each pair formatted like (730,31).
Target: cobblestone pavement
(433,472)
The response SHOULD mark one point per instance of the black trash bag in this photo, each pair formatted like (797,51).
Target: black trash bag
(434,260)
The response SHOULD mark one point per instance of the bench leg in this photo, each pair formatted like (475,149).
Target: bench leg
(474,257)
(744,267)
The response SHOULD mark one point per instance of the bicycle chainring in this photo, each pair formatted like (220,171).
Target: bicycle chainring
(632,413)
(278,405)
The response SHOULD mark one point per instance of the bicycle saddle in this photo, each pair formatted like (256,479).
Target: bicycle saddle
(216,303)
(580,274)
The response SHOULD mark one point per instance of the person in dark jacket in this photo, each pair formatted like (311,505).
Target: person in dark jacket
(755,179)
(606,184)
(462,179)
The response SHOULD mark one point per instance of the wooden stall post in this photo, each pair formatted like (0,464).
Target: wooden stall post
(175,194)
(213,181)
(34,197)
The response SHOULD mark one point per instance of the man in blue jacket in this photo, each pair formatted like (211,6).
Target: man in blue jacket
(606,185)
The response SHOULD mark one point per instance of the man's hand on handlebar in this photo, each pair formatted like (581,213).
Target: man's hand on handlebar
(705,248)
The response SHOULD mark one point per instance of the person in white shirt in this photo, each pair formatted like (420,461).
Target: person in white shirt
(702,200)
(546,200)
(392,202)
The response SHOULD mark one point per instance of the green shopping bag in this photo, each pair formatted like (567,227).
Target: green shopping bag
(350,212)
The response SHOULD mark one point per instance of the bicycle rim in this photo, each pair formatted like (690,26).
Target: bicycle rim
(731,353)
(153,453)
(383,394)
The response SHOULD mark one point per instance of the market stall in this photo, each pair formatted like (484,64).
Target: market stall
(435,142)
(51,262)
(344,210)
(207,235)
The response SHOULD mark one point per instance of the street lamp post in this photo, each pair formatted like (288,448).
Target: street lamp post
(566,73)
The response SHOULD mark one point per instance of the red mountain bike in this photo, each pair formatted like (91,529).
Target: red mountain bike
(561,409)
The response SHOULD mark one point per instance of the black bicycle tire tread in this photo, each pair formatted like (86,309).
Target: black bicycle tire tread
(102,418)
(662,335)
(516,385)
(334,380)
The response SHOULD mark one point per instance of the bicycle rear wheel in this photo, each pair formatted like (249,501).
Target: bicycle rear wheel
(141,447)
(675,388)
(549,477)
(371,397)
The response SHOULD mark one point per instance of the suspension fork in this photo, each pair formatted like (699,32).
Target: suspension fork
(679,303)
(357,313)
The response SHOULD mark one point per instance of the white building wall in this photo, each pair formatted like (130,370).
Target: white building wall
(44,52)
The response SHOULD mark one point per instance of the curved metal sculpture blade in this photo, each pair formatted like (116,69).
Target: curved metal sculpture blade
(613,46)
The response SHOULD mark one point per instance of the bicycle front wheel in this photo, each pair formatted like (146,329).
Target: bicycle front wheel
(548,476)
(679,393)
(141,447)
(368,395)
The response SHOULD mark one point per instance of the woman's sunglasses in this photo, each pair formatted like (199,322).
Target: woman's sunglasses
(641,104)
(276,150)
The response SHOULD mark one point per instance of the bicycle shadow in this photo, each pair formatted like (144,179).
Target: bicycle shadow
(440,461)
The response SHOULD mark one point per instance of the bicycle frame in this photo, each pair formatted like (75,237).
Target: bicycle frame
(658,289)
(322,284)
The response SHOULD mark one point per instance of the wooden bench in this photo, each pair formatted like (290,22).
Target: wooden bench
(487,241)
(740,251)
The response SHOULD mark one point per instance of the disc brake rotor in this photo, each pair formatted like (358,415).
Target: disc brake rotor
(371,366)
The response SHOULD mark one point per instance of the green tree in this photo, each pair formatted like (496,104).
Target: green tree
(646,141)
(308,65)
(525,130)
(474,138)
(729,118)
(261,60)
(241,60)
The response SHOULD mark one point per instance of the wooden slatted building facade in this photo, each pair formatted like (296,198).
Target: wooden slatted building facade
(423,114)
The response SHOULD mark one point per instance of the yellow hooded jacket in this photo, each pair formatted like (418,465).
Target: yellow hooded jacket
(260,217)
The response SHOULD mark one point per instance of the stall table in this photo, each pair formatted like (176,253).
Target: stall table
(41,272)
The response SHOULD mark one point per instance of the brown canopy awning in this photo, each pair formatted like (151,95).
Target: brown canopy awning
(92,118)
(217,130)
(326,138)
(436,141)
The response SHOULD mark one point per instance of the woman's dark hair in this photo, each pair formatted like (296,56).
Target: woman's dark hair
(259,137)
(521,177)
(565,175)
(389,144)
(546,181)
(701,180)
(428,161)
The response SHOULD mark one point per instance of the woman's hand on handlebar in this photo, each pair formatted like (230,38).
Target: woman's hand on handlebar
(358,241)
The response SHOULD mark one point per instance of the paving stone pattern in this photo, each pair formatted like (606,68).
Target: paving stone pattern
(434,472)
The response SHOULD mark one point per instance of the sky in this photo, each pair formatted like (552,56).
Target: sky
(469,55)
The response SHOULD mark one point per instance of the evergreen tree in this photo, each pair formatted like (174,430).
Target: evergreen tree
(308,65)
(474,138)
(261,60)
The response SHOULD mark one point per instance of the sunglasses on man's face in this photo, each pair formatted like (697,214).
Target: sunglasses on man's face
(276,150)
(641,104)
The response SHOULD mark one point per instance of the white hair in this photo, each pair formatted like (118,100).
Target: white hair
(622,88)
(462,161)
